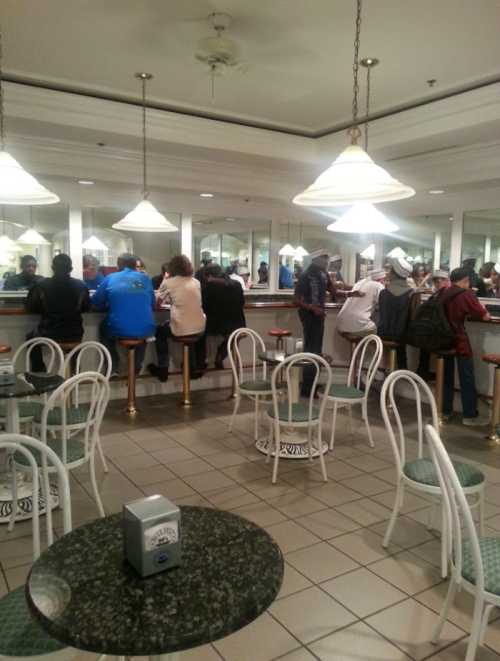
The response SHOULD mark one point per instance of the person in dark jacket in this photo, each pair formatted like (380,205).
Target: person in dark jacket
(223,303)
(396,307)
(27,278)
(60,301)
(156,280)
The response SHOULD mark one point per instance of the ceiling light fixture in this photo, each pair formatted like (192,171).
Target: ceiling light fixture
(144,218)
(300,251)
(16,185)
(93,243)
(86,182)
(206,194)
(397,252)
(368,253)
(436,191)
(287,250)
(353,176)
(31,237)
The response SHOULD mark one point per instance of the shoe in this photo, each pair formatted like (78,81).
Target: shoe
(478,421)
(161,373)
(219,364)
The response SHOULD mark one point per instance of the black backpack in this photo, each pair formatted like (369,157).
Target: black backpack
(431,330)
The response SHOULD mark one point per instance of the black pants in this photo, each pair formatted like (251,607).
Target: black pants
(313,328)
(36,355)
(200,351)
(401,358)
(163,333)
(465,367)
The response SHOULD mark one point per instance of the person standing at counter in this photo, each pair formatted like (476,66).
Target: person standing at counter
(310,297)
(461,303)
(27,278)
(128,298)
(285,277)
(60,301)
(91,275)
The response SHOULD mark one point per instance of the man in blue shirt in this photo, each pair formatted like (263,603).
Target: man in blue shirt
(91,276)
(129,299)
(285,277)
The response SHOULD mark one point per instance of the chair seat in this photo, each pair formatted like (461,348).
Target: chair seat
(75,450)
(490,555)
(390,344)
(20,634)
(259,385)
(74,415)
(131,342)
(300,412)
(187,339)
(345,392)
(4,348)
(424,472)
(493,358)
(27,409)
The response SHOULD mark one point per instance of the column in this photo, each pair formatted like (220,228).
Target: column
(457,230)
(75,240)
(437,250)
(379,252)
(274,258)
(487,249)
(187,234)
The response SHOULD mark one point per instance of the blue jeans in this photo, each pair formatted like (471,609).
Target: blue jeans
(468,390)
(109,341)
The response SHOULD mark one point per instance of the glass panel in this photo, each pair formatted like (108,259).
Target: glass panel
(237,244)
(424,239)
(481,242)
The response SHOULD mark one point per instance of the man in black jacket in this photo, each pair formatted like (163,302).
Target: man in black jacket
(60,301)
(27,278)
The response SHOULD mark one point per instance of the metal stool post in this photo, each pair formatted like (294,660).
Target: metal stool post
(439,387)
(494,359)
(186,381)
(131,410)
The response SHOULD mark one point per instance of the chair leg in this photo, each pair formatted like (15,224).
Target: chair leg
(349,413)
(321,455)
(276,453)
(186,385)
(484,623)
(270,441)
(444,540)
(309,444)
(102,457)
(450,596)
(367,423)
(237,402)
(480,507)
(13,514)
(131,410)
(256,420)
(476,630)
(334,422)
(93,481)
(394,516)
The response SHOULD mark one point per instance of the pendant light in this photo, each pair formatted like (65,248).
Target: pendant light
(31,237)
(93,243)
(353,176)
(363,217)
(16,185)
(368,253)
(144,218)
(288,250)
(300,251)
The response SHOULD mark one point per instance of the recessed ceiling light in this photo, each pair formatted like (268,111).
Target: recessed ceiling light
(86,182)
(450,218)
(231,220)
(206,194)
(436,191)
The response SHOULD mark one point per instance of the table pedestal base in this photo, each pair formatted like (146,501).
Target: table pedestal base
(24,498)
(290,450)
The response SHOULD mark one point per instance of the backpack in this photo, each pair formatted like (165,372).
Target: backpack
(430,329)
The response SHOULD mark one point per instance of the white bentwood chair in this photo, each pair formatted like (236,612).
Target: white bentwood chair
(297,416)
(257,387)
(88,356)
(474,561)
(21,360)
(21,638)
(420,474)
(368,351)
(58,418)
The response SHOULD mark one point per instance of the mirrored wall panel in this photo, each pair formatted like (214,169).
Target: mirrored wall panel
(481,250)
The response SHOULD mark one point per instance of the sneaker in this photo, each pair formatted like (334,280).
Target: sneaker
(161,373)
(478,421)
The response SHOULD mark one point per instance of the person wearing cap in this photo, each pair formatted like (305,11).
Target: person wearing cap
(440,280)
(310,297)
(27,278)
(488,280)
(397,305)
(358,312)
(460,303)
(334,271)
(60,301)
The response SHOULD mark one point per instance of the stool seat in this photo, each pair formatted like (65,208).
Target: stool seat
(187,339)
(131,342)
(390,344)
(4,348)
(492,358)
(445,352)
(68,346)
(352,337)
(279,332)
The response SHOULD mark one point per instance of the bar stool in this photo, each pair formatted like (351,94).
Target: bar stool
(353,338)
(66,347)
(439,387)
(130,345)
(186,341)
(494,359)
(4,348)
(279,334)
(390,347)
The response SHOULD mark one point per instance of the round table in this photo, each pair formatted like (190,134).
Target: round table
(288,450)
(85,594)
(25,385)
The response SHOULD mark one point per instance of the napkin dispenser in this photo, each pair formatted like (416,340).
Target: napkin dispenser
(152,535)
(293,345)
(7,376)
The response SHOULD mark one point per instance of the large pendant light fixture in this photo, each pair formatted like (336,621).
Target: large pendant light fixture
(287,250)
(353,176)
(31,237)
(16,185)
(93,242)
(144,218)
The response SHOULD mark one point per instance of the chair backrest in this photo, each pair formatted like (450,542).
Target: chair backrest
(457,511)
(55,362)
(29,447)
(61,401)
(235,358)
(360,356)
(282,374)
(78,359)
(396,429)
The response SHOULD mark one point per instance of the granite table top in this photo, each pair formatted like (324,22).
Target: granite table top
(30,383)
(84,593)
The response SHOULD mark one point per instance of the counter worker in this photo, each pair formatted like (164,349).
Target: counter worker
(440,280)
(91,276)
(27,278)
(128,298)
(396,307)
(285,276)
(461,303)
(335,271)
(358,313)
(60,301)
(310,297)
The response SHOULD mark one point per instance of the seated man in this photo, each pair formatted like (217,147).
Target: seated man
(461,303)
(358,312)
(91,276)
(60,301)
(129,299)
(27,278)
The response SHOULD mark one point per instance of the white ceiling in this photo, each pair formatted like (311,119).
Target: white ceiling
(298,52)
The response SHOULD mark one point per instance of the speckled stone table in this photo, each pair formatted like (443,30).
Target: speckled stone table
(84,593)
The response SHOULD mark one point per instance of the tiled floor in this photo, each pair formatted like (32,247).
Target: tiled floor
(344,598)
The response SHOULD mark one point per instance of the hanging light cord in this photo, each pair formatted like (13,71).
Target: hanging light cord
(368,91)
(144,165)
(354,130)
(2,134)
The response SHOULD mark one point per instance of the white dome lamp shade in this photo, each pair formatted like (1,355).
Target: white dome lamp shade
(32,238)
(363,218)
(93,243)
(144,218)
(287,251)
(300,253)
(368,253)
(397,252)
(353,176)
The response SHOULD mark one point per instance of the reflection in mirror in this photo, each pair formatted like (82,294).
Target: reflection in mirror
(481,251)
(239,245)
